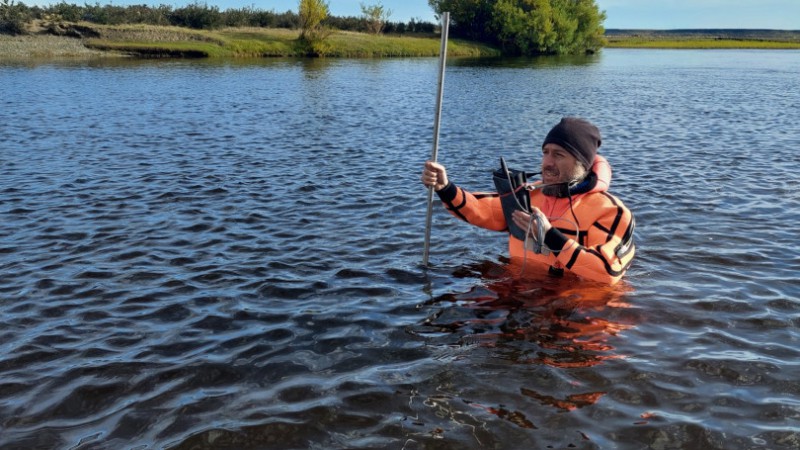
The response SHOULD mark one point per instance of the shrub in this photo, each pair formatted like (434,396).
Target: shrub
(288,20)
(147,15)
(346,23)
(375,16)
(105,15)
(13,17)
(197,16)
(66,12)
(237,17)
(312,13)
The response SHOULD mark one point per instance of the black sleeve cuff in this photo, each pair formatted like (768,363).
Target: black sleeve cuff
(448,193)
(555,240)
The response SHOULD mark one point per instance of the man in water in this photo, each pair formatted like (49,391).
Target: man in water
(581,228)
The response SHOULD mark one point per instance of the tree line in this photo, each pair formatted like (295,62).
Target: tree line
(14,16)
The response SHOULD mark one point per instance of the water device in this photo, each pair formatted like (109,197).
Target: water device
(510,184)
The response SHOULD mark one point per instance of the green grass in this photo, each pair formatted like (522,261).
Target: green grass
(636,42)
(350,44)
(141,40)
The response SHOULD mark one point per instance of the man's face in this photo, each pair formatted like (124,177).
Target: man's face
(559,166)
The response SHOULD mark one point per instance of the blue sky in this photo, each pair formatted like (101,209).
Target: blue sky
(653,14)
(672,14)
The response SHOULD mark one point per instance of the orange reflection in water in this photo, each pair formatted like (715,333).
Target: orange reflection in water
(571,402)
(563,323)
(569,321)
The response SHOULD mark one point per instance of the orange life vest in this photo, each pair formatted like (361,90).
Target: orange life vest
(594,229)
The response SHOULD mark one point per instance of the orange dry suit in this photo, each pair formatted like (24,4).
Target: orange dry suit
(592,233)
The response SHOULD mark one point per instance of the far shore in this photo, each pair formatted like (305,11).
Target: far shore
(94,41)
(704,39)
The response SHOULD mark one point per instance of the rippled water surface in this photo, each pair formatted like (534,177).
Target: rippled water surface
(227,255)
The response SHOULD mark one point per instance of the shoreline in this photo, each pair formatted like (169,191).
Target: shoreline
(704,39)
(170,42)
(148,41)
(702,44)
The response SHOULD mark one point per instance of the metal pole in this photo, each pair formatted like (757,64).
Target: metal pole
(436,122)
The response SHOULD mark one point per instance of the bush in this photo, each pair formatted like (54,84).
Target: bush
(13,17)
(66,12)
(312,13)
(197,16)
(413,26)
(237,17)
(346,23)
(287,20)
(105,15)
(147,15)
(375,17)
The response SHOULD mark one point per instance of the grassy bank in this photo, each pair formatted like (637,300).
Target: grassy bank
(704,39)
(161,41)
(700,44)
(90,41)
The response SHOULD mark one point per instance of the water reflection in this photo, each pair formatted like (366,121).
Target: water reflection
(544,339)
(527,62)
(534,319)
(213,254)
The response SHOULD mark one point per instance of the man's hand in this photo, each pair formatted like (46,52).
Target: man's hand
(434,174)
(522,219)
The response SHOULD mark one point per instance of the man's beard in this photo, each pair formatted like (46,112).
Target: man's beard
(561,190)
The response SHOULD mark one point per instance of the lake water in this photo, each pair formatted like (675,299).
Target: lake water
(200,254)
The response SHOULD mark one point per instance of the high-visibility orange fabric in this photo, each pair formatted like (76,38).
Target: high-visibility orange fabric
(601,250)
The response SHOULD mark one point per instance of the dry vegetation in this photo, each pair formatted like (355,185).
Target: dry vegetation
(45,46)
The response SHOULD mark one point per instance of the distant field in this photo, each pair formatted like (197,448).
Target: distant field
(704,39)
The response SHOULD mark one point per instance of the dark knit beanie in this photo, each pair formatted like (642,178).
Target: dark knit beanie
(577,136)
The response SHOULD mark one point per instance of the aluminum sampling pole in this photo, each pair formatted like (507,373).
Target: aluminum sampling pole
(437,120)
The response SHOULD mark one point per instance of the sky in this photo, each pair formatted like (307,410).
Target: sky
(643,14)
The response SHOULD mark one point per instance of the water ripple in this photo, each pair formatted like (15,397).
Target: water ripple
(227,256)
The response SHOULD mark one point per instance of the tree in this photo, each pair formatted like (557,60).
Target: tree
(528,27)
(312,13)
(375,16)
(523,27)
(468,18)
